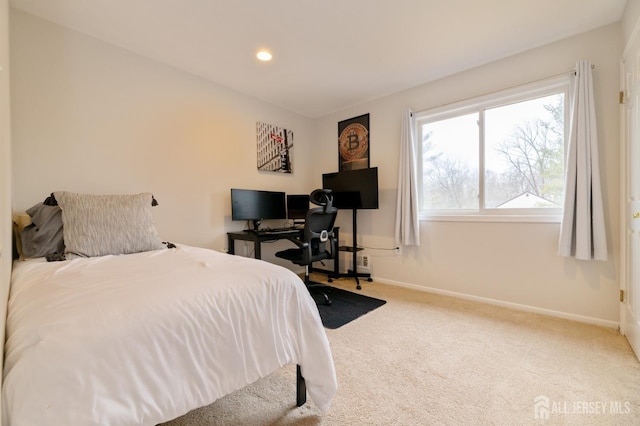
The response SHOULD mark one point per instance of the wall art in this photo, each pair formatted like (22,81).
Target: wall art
(275,148)
(353,143)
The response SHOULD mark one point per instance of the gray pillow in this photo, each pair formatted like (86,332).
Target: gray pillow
(99,225)
(43,237)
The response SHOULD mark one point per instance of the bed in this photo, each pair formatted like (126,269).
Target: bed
(144,337)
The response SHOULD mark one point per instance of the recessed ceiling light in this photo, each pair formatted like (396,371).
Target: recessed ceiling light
(264,55)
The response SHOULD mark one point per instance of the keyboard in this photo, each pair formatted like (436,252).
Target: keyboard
(272,231)
(280,231)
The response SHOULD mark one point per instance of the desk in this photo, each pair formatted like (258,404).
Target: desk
(258,238)
(261,237)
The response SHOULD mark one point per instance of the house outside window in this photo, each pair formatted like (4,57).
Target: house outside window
(499,157)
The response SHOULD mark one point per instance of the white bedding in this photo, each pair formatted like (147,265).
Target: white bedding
(144,338)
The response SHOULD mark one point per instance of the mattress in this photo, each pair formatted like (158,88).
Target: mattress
(144,338)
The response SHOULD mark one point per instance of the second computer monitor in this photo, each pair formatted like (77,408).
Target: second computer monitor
(297,206)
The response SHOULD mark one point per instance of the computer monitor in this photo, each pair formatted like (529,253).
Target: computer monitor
(297,207)
(255,206)
(353,189)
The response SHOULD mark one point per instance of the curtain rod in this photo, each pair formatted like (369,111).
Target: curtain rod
(505,88)
(553,76)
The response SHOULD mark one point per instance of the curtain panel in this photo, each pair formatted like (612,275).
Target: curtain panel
(582,231)
(407,227)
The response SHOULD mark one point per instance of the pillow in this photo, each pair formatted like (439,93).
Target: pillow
(20,221)
(100,225)
(43,236)
(51,200)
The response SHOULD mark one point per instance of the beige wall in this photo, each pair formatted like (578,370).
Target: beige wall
(630,17)
(5,154)
(511,263)
(5,171)
(90,117)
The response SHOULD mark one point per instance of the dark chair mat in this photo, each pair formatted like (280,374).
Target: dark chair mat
(345,306)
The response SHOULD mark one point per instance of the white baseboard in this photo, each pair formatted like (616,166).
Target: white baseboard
(520,307)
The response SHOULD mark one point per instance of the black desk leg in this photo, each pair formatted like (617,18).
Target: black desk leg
(301,388)
(231,245)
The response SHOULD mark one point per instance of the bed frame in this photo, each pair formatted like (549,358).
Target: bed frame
(301,388)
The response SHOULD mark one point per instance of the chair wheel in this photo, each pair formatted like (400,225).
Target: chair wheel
(327,301)
(330,280)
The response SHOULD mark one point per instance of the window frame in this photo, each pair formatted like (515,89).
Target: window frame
(538,89)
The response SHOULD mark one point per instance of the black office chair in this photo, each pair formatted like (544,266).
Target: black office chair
(317,242)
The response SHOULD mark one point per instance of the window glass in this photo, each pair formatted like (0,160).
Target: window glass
(450,163)
(524,154)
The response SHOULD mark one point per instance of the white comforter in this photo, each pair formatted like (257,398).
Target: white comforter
(145,338)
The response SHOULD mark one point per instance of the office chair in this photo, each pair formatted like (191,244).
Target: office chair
(317,241)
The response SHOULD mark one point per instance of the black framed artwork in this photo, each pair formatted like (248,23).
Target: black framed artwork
(353,143)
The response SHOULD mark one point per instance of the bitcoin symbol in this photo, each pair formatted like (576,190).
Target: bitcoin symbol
(353,142)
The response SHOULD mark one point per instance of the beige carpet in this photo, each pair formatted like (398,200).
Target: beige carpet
(424,359)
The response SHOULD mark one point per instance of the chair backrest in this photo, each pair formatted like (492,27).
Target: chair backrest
(318,227)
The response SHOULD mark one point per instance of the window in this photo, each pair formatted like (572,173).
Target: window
(498,157)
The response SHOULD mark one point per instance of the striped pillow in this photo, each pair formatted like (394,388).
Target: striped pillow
(99,225)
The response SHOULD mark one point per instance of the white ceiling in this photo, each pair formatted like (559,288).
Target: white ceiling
(328,54)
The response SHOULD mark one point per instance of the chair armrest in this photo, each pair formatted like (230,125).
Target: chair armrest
(301,244)
(332,246)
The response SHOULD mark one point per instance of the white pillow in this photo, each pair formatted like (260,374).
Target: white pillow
(99,225)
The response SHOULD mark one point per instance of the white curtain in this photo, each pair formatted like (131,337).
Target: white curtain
(582,232)
(407,230)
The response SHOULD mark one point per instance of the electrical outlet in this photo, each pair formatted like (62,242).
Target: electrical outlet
(363,262)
